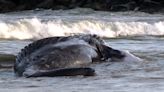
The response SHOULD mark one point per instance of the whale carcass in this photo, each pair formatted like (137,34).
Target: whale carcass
(63,56)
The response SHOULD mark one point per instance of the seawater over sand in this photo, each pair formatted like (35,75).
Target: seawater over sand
(129,76)
(145,76)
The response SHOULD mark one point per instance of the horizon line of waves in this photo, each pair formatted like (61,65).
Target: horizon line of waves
(36,29)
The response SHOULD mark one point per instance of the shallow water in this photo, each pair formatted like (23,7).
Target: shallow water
(143,37)
(129,76)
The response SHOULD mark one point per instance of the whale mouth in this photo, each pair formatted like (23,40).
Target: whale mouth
(117,54)
(110,53)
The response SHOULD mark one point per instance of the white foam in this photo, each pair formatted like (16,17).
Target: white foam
(35,28)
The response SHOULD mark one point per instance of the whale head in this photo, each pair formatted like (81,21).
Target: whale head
(111,54)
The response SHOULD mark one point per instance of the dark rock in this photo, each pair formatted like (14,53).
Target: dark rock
(6,5)
(105,5)
(46,4)
(150,6)
(124,7)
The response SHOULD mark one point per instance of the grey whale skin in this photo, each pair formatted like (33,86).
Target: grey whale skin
(63,56)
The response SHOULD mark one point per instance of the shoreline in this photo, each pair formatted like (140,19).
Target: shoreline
(150,6)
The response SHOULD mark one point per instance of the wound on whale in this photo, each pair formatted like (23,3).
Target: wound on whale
(63,56)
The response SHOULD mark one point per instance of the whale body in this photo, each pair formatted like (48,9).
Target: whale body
(63,56)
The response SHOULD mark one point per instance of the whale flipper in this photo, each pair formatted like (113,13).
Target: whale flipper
(64,72)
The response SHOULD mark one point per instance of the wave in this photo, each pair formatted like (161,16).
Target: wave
(36,28)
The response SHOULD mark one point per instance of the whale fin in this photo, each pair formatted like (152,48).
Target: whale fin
(64,72)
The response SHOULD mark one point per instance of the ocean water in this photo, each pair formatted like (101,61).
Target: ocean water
(139,33)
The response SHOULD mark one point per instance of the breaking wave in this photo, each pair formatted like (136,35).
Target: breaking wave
(36,28)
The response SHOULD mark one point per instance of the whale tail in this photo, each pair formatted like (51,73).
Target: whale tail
(64,72)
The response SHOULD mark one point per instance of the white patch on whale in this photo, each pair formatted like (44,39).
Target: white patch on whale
(129,57)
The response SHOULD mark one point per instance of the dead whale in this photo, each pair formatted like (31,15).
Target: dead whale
(63,56)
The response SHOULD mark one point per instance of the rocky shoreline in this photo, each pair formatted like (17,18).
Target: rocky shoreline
(150,6)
